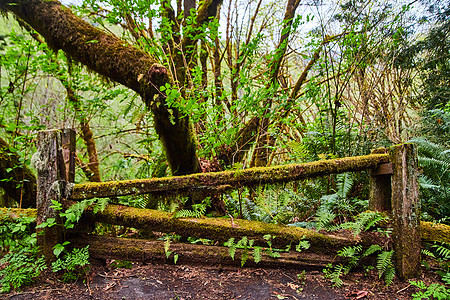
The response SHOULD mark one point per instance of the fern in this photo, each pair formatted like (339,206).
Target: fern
(372,249)
(385,266)
(364,221)
(257,251)
(335,275)
(197,211)
(435,180)
(232,247)
(442,251)
(324,220)
(427,252)
(344,184)
(350,251)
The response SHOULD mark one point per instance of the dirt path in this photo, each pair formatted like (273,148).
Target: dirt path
(164,281)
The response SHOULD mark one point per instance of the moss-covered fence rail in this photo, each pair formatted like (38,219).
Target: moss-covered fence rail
(393,188)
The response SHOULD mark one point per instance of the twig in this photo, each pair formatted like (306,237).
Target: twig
(399,291)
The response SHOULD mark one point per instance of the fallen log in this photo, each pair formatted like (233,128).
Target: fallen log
(222,229)
(218,182)
(430,232)
(103,247)
(10,214)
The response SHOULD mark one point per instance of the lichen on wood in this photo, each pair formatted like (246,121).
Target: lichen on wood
(221,181)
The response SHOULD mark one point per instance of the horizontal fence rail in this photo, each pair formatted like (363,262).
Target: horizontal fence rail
(221,181)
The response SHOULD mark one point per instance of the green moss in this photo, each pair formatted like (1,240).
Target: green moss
(435,232)
(211,182)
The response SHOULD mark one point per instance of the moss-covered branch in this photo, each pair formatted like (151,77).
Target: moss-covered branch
(220,181)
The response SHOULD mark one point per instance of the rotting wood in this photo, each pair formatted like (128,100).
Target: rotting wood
(128,249)
(221,181)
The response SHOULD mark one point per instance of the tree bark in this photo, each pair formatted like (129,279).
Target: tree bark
(116,59)
(17,180)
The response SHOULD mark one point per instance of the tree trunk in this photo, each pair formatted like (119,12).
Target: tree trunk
(17,180)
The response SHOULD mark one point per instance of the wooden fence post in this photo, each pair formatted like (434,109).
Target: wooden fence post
(405,210)
(380,185)
(51,183)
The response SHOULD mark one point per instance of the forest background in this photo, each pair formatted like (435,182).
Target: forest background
(212,85)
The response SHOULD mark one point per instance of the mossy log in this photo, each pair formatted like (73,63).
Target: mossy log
(222,229)
(22,184)
(430,232)
(102,247)
(220,181)
(11,214)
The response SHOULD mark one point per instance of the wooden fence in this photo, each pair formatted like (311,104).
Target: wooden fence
(393,188)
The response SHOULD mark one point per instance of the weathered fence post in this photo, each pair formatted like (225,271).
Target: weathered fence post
(380,185)
(405,210)
(51,183)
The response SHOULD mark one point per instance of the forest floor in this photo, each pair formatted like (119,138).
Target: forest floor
(169,281)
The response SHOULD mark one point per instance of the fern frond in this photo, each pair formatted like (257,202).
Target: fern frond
(442,250)
(384,263)
(372,249)
(344,183)
(335,276)
(350,251)
(428,253)
(324,219)
(257,254)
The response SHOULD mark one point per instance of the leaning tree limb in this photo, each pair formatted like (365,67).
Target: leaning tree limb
(119,61)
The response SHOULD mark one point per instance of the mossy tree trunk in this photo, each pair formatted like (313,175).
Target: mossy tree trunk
(16,179)
(114,58)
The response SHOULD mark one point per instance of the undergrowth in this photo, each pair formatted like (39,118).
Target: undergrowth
(438,291)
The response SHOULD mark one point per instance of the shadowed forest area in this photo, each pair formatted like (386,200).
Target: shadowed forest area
(160,89)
